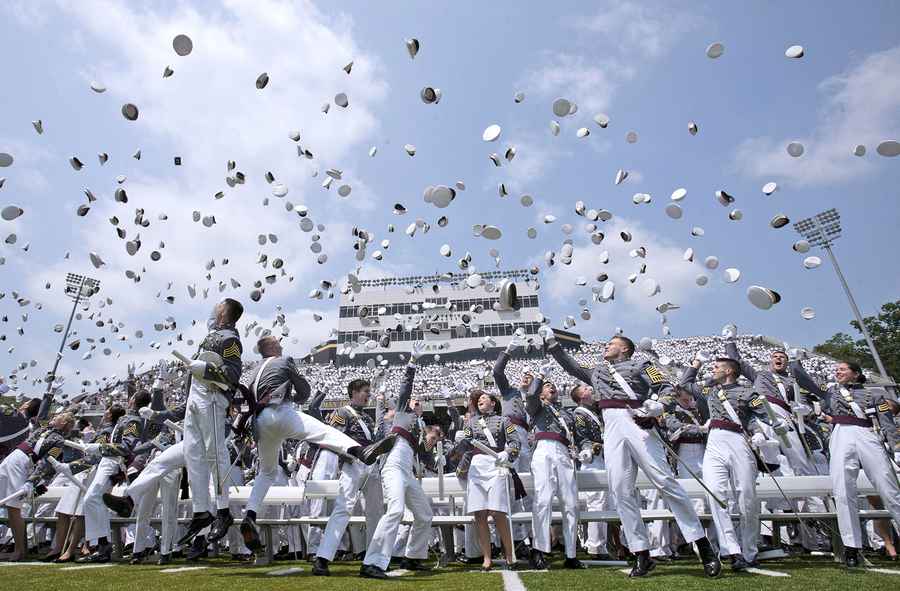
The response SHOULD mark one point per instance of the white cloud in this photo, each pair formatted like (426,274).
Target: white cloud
(859,106)
(631,305)
(615,43)
(210,112)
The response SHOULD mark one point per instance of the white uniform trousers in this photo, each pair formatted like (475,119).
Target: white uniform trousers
(627,447)
(660,530)
(401,489)
(692,455)
(203,446)
(349,482)
(277,423)
(553,472)
(596,542)
(96,514)
(853,448)
(325,468)
(522,530)
(143,490)
(729,464)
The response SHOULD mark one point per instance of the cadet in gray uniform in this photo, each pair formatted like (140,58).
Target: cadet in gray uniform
(729,462)
(628,390)
(207,406)
(488,485)
(512,403)
(274,378)
(553,470)
(863,423)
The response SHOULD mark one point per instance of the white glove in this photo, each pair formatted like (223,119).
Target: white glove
(546,333)
(651,408)
(729,331)
(585,456)
(546,370)
(758,440)
(797,354)
(515,342)
(800,409)
(92,449)
(440,461)
(146,413)
(291,465)
(27,488)
(704,428)
(702,356)
(502,458)
(198,368)
(781,426)
(418,349)
(897,457)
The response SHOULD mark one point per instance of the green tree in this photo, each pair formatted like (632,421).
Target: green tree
(885,332)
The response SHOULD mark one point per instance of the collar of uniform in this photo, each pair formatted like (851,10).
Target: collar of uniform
(355,407)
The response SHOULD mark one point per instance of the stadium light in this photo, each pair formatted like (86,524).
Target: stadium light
(822,230)
(78,288)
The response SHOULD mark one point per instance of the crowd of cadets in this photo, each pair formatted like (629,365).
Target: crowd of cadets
(628,413)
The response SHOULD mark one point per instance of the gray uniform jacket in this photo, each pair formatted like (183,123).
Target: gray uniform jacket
(512,402)
(550,421)
(764,381)
(748,405)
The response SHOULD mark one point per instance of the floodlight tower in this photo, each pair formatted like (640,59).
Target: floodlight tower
(822,230)
(78,288)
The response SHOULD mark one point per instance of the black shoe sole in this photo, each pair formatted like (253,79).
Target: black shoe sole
(371,452)
(650,568)
(251,537)
(119,505)
(215,535)
(192,533)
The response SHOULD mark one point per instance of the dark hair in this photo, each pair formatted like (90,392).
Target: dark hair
(31,407)
(265,343)
(83,423)
(234,308)
(474,395)
(734,365)
(116,412)
(629,344)
(356,385)
(576,398)
(857,369)
(434,429)
(141,399)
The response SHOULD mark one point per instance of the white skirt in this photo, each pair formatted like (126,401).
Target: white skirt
(14,472)
(487,488)
(71,498)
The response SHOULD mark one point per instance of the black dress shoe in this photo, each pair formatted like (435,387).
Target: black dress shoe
(536,560)
(242,557)
(250,533)
(643,565)
(574,563)
(851,557)
(199,521)
(220,528)
(51,557)
(368,454)
(164,559)
(139,557)
(320,567)
(122,506)
(370,571)
(738,564)
(712,566)
(101,555)
(198,549)
(413,564)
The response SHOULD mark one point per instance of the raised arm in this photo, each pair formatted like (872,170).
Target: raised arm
(500,373)
(533,402)
(301,386)
(731,351)
(406,388)
(688,381)
(569,365)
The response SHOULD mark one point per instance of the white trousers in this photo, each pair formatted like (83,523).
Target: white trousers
(350,484)
(553,472)
(522,530)
(203,446)
(853,448)
(325,468)
(626,448)
(96,514)
(728,465)
(660,531)
(596,542)
(277,423)
(163,473)
(401,489)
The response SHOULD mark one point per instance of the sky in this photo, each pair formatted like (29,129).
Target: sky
(643,64)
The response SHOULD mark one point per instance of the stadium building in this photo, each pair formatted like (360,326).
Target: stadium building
(381,317)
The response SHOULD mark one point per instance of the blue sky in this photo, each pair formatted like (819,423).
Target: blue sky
(641,63)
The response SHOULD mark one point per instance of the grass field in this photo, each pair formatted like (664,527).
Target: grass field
(807,574)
